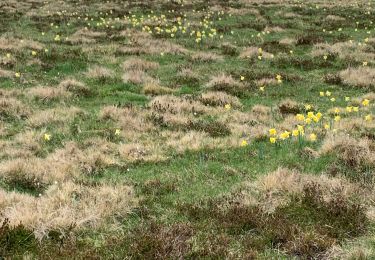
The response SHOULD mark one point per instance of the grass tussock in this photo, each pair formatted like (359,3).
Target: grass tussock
(362,77)
(225,83)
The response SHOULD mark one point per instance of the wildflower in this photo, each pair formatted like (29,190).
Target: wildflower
(242,78)
(365,102)
(337,118)
(308,121)
(300,117)
(325,57)
(47,137)
(17,74)
(261,89)
(337,110)
(319,115)
(244,143)
(310,115)
(117,132)
(347,99)
(227,106)
(279,78)
(327,126)
(295,132)
(364,63)
(349,109)
(321,93)
(8,55)
(33,53)
(328,93)
(285,135)
(368,117)
(333,99)
(272,140)
(308,107)
(355,109)
(312,137)
(273,132)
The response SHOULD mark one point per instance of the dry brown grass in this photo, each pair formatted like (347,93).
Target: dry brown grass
(76,87)
(45,93)
(99,73)
(6,73)
(154,89)
(139,64)
(138,77)
(218,98)
(176,105)
(65,206)
(353,152)
(226,83)
(56,116)
(11,107)
(363,77)
(85,36)
(205,57)
(253,53)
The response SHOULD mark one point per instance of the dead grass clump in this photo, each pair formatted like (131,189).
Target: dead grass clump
(6,74)
(76,87)
(11,107)
(288,41)
(363,77)
(137,77)
(48,93)
(176,105)
(100,73)
(205,57)
(218,98)
(135,152)
(334,18)
(225,83)
(254,52)
(139,64)
(188,76)
(288,106)
(261,112)
(352,152)
(229,49)
(264,82)
(60,115)
(13,44)
(65,206)
(85,36)
(154,89)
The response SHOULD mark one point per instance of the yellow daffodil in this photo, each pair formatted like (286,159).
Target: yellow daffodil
(273,132)
(365,102)
(295,132)
(47,137)
(17,74)
(312,137)
(368,117)
(300,117)
(327,126)
(337,118)
(284,135)
(244,143)
(272,140)
(355,109)
(227,106)
(117,132)
(321,93)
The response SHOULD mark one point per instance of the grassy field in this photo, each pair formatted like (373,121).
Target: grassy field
(187,129)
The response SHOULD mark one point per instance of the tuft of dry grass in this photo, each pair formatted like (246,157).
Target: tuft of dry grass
(11,107)
(218,98)
(54,116)
(226,83)
(99,73)
(65,206)
(154,89)
(139,64)
(76,87)
(205,57)
(253,53)
(6,73)
(48,93)
(138,77)
(363,77)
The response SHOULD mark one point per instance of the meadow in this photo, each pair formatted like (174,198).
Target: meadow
(187,129)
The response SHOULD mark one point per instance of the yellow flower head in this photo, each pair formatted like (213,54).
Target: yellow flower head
(365,102)
(117,132)
(368,118)
(347,99)
(273,132)
(319,115)
(328,93)
(244,143)
(308,107)
(327,126)
(300,117)
(272,140)
(227,106)
(349,109)
(321,93)
(284,135)
(295,132)
(308,121)
(337,118)
(242,78)
(355,109)
(312,137)
(47,137)
(310,115)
